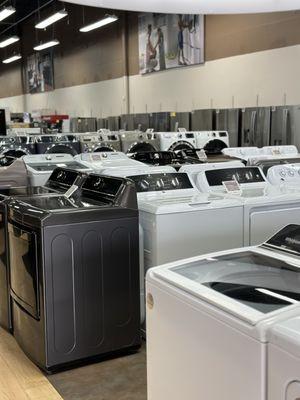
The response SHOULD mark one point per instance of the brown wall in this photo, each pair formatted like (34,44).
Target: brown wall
(100,55)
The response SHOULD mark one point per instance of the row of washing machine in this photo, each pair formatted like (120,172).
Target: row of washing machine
(104,140)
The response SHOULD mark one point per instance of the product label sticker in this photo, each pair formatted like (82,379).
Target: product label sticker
(61,165)
(275,152)
(71,191)
(232,186)
(201,154)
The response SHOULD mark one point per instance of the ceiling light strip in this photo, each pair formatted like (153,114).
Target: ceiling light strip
(98,24)
(8,41)
(51,20)
(6,12)
(46,45)
(12,59)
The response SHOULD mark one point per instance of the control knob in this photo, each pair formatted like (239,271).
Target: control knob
(144,184)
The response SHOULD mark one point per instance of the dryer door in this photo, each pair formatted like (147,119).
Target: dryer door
(102,147)
(61,148)
(293,391)
(215,146)
(181,145)
(141,147)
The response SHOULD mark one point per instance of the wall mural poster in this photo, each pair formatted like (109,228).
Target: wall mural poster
(170,41)
(39,73)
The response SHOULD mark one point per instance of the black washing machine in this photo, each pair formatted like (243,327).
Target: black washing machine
(17,146)
(49,144)
(159,158)
(59,182)
(74,267)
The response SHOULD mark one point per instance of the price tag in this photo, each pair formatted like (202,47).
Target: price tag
(275,152)
(232,186)
(71,191)
(201,155)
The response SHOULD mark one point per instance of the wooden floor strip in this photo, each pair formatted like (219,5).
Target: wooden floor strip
(20,379)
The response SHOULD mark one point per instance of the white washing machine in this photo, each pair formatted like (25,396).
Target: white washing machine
(213,142)
(209,320)
(175,141)
(267,208)
(104,160)
(193,169)
(242,152)
(136,141)
(41,166)
(177,221)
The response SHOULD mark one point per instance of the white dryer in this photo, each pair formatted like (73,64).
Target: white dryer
(174,141)
(41,166)
(242,152)
(213,142)
(104,160)
(136,141)
(267,208)
(209,320)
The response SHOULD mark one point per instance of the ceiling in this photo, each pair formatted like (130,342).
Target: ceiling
(24,9)
(195,6)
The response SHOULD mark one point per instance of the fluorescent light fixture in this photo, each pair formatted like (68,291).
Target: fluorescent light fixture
(98,24)
(6,12)
(12,59)
(8,41)
(52,19)
(46,45)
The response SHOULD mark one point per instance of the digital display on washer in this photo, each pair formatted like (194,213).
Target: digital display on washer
(243,175)
(258,281)
(287,239)
(158,182)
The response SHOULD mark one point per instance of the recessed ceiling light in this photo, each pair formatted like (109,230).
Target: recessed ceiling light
(46,45)
(8,41)
(12,59)
(6,12)
(52,19)
(98,24)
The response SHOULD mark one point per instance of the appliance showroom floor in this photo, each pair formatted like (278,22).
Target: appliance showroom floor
(122,378)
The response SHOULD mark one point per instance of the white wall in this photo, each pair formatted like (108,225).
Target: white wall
(264,78)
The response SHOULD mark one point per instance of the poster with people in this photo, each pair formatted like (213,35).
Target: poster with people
(170,41)
(39,73)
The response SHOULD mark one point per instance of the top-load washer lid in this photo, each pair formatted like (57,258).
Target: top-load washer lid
(289,150)
(60,181)
(252,283)
(40,163)
(104,160)
(242,152)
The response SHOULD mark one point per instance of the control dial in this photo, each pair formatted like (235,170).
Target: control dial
(144,184)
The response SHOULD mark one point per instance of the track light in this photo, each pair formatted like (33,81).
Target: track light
(98,24)
(9,41)
(46,45)
(12,59)
(6,12)
(52,19)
